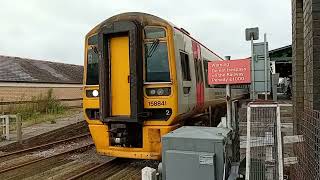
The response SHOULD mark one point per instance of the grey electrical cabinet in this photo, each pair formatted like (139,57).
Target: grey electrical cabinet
(196,153)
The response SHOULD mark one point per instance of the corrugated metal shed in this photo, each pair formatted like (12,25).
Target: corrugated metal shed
(15,69)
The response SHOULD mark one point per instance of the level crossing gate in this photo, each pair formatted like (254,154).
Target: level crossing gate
(264,158)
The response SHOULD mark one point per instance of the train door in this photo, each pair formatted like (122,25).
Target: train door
(120,75)
(186,80)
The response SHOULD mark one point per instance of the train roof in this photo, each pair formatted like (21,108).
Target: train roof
(138,16)
(145,18)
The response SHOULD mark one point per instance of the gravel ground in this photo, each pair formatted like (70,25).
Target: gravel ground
(62,148)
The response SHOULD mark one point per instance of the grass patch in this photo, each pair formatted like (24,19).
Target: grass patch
(50,117)
(44,107)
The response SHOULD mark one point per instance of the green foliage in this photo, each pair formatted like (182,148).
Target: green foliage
(39,105)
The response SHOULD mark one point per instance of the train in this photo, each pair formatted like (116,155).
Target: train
(143,78)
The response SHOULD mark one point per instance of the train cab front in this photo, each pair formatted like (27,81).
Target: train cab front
(137,95)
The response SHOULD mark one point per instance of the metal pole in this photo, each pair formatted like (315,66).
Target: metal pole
(228,100)
(275,80)
(252,74)
(210,116)
(265,67)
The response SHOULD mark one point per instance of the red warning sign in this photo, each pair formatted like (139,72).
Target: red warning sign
(229,72)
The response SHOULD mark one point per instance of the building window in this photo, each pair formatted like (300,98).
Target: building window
(185,66)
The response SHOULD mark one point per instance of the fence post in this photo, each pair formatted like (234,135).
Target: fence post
(248,160)
(3,124)
(7,128)
(19,128)
(279,148)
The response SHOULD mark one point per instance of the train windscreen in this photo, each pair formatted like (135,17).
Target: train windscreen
(157,65)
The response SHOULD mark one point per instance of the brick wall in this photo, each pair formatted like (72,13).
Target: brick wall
(297,60)
(20,93)
(308,75)
(8,94)
(306,86)
(311,53)
(316,52)
(306,56)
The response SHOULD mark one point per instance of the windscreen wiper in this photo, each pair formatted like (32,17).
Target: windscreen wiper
(153,48)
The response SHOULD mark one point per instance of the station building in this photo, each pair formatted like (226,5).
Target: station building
(282,58)
(23,79)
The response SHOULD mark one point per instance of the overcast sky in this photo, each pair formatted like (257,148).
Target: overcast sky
(55,29)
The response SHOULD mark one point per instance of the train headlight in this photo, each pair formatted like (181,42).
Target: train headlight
(160,92)
(92,93)
(166,91)
(152,92)
(95,93)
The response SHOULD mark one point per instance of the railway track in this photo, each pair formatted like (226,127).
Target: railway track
(39,147)
(45,158)
(72,163)
(104,170)
(44,145)
(27,162)
(114,169)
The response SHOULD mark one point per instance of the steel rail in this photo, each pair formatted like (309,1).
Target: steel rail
(43,145)
(114,164)
(91,170)
(45,158)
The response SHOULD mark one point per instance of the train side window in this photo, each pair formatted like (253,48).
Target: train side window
(92,68)
(206,74)
(154,33)
(200,71)
(185,67)
(93,40)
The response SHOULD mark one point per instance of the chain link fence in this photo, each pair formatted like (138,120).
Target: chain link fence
(264,143)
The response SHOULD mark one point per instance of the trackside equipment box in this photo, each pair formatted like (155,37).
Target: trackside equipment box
(196,153)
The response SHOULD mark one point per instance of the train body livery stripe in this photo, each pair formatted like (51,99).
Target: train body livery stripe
(196,50)
(198,42)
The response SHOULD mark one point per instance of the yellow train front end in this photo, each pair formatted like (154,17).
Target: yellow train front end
(130,87)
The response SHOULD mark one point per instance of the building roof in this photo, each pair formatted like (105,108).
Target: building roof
(281,54)
(281,48)
(16,69)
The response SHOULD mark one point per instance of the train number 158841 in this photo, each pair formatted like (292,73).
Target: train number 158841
(157,103)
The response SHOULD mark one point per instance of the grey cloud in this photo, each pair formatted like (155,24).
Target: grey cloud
(55,30)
